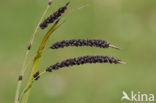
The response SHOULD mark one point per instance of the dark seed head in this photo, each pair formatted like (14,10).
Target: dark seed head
(84,60)
(29,47)
(53,16)
(50,2)
(81,42)
(36,75)
(20,78)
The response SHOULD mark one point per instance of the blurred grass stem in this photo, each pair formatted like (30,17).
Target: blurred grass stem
(26,56)
(36,61)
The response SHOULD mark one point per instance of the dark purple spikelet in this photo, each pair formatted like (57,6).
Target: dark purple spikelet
(29,47)
(36,75)
(53,16)
(82,42)
(50,2)
(20,78)
(84,60)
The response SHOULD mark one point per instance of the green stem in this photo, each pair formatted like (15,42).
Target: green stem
(37,60)
(26,56)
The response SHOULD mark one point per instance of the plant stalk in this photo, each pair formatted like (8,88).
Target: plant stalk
(26,56)
(37,60)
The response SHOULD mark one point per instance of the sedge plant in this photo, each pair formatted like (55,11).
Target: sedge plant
(22,94)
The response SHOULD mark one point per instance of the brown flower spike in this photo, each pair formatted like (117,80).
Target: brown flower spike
(84,60)
(82,42)
(53,16)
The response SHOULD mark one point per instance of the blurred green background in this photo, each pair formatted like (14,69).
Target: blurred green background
(128,24)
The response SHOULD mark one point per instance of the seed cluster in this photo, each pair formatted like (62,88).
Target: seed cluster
(84,60)
(80,42)
(20,78)
(36,75)
(53,16)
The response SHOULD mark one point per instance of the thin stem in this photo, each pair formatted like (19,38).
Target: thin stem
(20,80)
(27,88)
(37,28)
(17,91)
(37,60)
(32,59)
(28,64)
(26,56)
(70,11)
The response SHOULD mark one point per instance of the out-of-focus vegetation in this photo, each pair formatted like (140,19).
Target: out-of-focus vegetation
(128,24)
